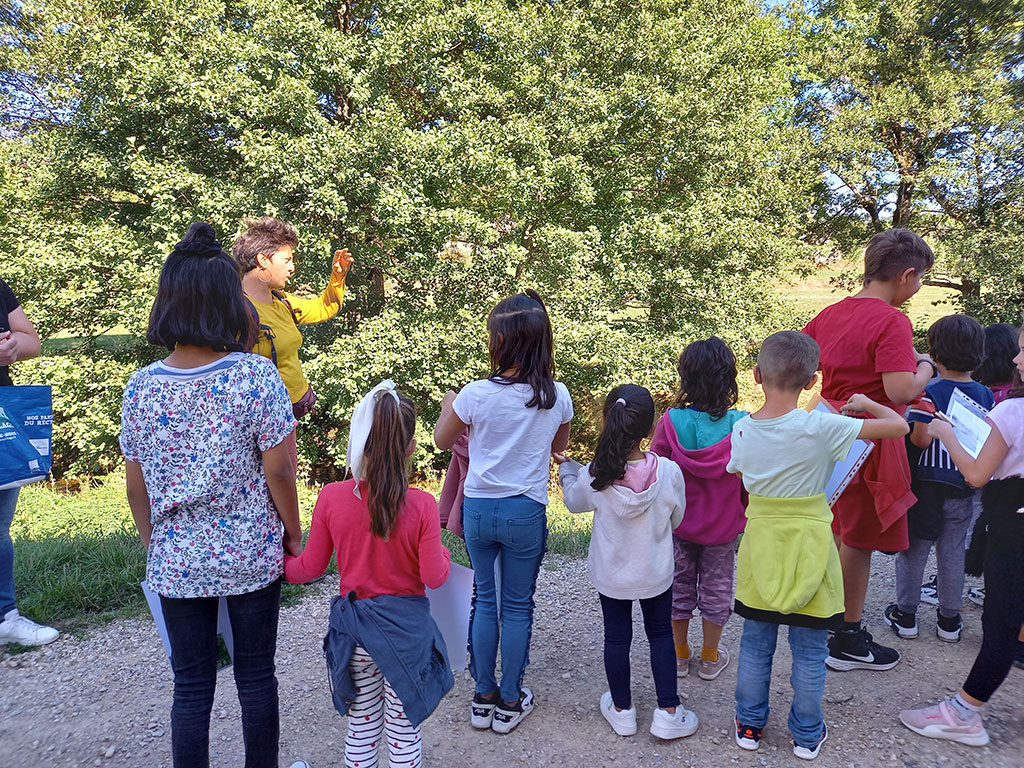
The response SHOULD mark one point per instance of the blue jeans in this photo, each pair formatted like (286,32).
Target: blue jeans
(8,501)
(754,677)
(513,531)
(192,631)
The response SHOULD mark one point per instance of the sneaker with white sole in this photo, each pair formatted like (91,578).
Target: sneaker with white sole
(683,666)
(857,650)
(747,736)
(930,591)
(903,624)
(506,717)
(976,595)
(15,628)
(941,721)
(299,764)
(948,628)
(481,711)
(623,722)
(809,753)
(709,670)
(673,726)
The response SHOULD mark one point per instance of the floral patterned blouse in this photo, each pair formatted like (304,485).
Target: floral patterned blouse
(198,434)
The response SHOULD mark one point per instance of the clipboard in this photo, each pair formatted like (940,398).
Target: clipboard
(847,469)
(968,419)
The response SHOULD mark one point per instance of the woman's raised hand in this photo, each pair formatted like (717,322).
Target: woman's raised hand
(342,261)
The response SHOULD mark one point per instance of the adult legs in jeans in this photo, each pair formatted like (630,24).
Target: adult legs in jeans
(512,531)
(8,502)
(192,632)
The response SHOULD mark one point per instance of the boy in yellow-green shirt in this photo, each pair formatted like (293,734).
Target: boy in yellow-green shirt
(788,569)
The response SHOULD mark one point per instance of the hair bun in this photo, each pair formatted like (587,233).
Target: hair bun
(200,241)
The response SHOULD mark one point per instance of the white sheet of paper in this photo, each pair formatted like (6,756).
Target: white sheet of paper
(223,620)
(450,606)
(969,423)
(844,470)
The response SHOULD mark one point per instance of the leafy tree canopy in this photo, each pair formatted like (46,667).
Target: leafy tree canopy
(638,164)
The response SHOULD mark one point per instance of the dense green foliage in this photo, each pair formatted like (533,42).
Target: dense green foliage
(915,111)
(649,168)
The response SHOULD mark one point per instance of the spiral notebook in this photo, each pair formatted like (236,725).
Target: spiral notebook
(848,468)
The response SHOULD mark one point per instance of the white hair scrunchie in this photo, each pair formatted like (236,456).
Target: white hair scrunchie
(359,430)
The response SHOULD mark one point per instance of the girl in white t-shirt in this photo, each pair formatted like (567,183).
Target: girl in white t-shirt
(1001,460)
(516,418)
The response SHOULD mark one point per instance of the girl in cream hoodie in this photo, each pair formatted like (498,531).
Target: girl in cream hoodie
(637,498)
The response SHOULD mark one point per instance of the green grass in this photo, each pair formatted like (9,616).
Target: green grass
(810,295)
(78,560)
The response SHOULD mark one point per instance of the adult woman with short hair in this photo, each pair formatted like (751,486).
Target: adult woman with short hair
(265,251)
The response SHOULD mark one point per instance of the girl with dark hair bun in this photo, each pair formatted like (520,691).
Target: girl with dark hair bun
(387,538)
(696,435)
(212,491)
(516,418)
(637,498)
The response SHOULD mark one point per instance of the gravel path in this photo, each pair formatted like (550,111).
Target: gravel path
(105,699)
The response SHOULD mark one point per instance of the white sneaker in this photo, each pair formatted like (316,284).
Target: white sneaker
(666,726)
(624,722)
(15,628)
(299,764)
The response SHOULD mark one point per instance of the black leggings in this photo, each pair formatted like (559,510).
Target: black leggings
(618,636)
(1003,616)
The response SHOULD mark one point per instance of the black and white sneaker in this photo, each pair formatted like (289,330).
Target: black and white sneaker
(948,627)
(481,711)
(809,753)
(856,650)
(903,624)
(930,591)
(506,718)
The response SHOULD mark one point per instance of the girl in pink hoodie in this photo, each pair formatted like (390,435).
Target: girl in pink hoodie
(696,436)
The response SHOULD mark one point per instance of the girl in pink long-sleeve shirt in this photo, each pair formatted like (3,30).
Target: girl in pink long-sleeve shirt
(387,537)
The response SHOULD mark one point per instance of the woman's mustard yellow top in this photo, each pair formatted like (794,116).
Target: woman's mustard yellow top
(284,337)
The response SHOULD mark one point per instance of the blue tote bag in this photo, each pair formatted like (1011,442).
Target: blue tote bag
(26,421)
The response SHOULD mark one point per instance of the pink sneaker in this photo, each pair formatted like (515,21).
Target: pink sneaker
(941,721)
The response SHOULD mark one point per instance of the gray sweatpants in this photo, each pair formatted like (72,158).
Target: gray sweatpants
(949,557)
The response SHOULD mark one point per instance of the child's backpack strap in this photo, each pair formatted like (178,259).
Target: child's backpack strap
(263,330)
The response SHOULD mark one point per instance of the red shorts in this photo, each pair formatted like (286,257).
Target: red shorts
(855,514)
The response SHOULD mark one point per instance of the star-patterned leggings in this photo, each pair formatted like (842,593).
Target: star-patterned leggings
(377,711)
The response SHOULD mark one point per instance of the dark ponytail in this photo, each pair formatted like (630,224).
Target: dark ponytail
(626,423)
(384,461)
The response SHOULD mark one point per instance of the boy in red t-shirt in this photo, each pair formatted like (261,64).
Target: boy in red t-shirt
(867,347)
